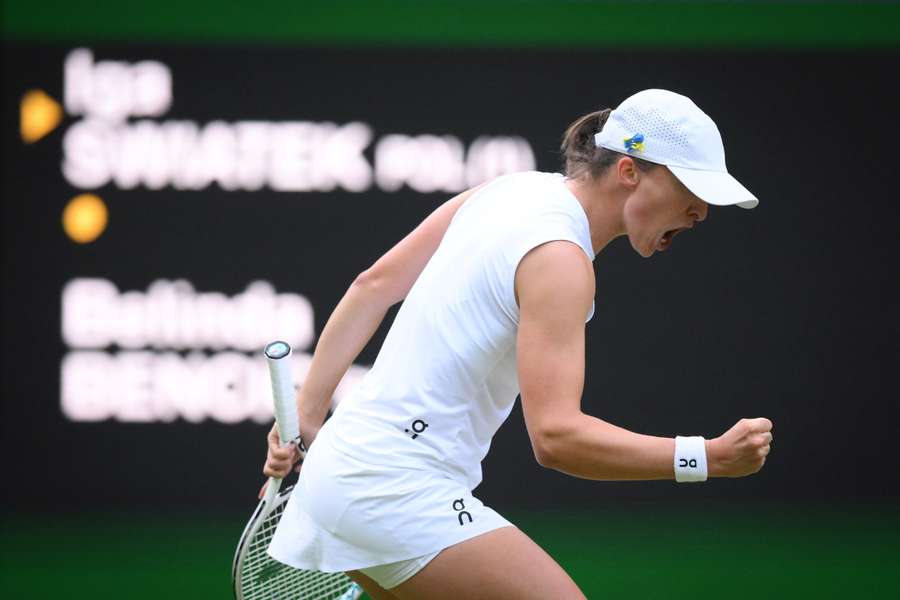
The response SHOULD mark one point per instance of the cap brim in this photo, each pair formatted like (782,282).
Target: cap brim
(715,187)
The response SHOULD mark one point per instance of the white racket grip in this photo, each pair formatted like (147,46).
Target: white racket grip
(278,355)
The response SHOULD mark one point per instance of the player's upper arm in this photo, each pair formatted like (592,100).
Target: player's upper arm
(393,275)
(555,289)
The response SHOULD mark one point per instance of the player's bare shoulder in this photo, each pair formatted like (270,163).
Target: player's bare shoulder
(557,273)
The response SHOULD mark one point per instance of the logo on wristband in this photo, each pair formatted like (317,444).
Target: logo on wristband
(690,459)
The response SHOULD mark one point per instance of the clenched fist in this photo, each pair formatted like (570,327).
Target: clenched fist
(741,450)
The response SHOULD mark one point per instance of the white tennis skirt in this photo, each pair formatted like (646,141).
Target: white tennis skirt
(346,514)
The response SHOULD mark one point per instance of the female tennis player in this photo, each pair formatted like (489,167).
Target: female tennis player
(497,285)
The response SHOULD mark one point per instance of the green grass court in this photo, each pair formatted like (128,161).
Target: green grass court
(639,553)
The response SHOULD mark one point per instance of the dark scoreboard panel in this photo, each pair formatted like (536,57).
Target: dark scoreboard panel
(168,209)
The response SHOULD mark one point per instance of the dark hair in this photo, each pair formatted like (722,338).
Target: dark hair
(582,156)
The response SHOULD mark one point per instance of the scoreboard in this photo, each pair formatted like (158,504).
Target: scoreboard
(170,208)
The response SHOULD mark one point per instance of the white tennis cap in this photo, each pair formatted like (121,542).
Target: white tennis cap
(669,129)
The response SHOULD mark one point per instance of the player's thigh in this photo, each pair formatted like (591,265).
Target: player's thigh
(503,563)
(375,591)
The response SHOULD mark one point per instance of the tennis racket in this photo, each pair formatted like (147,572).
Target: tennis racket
(254,573)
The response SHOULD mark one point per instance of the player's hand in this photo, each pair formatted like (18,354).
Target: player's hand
(279,460)
(740,451)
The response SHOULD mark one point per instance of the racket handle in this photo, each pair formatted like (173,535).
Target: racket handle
(278,355)
(271,490)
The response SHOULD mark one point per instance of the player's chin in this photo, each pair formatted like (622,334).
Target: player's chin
(646,248)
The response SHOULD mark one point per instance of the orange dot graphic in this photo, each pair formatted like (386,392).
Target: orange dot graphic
(85,218)
(39,114)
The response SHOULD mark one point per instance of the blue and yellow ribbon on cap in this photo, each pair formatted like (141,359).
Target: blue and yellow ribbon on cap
(635,143)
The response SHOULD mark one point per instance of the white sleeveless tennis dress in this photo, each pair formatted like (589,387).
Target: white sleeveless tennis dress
(390,475)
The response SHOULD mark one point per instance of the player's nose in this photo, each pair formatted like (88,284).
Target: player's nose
(699,211)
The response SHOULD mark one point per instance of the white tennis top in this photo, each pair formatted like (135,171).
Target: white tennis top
(445,378)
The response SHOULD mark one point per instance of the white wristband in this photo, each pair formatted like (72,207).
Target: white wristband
(690,459)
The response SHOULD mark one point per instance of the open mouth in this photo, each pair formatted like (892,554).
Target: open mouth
(666,240)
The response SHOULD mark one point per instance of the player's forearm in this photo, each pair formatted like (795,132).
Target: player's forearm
(590,448)
(348,330)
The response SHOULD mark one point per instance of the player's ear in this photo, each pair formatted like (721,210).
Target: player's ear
(627,172)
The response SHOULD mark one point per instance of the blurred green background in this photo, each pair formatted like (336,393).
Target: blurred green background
(651,550)
(562,23)
(643,552)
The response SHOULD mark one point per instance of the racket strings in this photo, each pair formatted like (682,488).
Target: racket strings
(264,578)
